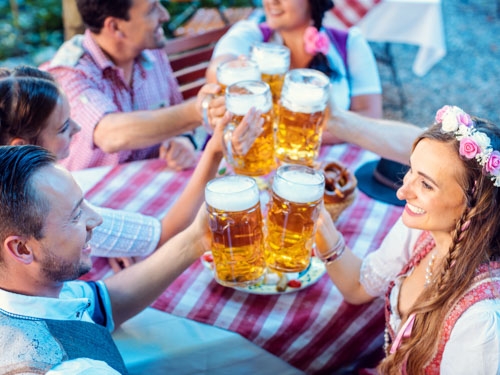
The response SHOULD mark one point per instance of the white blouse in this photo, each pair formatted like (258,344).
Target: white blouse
(363,78)
(474,344)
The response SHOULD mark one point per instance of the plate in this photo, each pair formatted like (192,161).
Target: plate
(294,281)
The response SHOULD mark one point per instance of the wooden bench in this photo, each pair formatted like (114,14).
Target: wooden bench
(204,19)
(189,56)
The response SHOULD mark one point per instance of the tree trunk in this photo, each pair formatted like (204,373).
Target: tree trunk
(71,19)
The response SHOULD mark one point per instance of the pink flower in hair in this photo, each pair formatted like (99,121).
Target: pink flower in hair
(473,142)
(492,166)
(441,112)
(315,41)
(464,119)
(469,148)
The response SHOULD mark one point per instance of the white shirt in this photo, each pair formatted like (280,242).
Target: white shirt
(124,234)
(474,344)
(75,302)
(363,78)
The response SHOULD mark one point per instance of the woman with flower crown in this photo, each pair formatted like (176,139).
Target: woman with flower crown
(439,266)
(355,83)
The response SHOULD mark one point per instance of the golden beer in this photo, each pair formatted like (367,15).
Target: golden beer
(234,71)
(240,97)
(291,220)
(300,116)
(298,136)
(273,61)
(235,221)
(275,82)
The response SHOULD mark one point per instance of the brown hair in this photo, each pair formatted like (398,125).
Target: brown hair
(28,96)
(475,241)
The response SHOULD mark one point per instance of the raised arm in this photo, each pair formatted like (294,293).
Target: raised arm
(124,131)
(183,211)
(139,129)
(388,138)
(345,270)
(136,287)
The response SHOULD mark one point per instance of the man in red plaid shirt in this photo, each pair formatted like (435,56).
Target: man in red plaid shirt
(121,88)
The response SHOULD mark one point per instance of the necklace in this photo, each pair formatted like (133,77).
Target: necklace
(428,269)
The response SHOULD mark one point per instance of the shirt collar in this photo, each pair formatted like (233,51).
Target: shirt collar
(71,304)
(145,61)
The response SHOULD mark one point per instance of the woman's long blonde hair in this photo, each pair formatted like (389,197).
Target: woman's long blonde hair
(475,240)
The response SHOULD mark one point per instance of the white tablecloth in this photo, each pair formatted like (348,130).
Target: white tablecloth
(418,22)
(155,342)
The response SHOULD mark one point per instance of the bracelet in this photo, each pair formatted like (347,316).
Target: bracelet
(335,252)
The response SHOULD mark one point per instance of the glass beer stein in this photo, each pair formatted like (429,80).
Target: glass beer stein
(235,221)
(273,61)
(294,207)
(240,97)
(238,70)
(300,116)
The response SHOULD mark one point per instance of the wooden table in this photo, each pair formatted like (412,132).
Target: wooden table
(313,329)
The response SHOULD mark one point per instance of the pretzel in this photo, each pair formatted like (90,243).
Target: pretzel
(339,182)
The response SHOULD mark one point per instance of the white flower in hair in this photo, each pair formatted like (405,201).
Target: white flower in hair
(496,180)
(482,140)
(450,123)
(483,157)
(473,143)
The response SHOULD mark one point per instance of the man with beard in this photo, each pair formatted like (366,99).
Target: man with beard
(48,319)
(121,88)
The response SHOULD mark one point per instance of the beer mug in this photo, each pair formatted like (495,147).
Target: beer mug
(238,70)
(235,221)
(294,207)
(300,116)
(273,61)
(240,97)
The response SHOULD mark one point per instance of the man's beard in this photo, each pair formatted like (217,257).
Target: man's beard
(59,270)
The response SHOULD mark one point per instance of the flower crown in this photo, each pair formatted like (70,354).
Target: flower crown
(473,143)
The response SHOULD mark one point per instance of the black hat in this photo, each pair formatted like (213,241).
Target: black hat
(379,179)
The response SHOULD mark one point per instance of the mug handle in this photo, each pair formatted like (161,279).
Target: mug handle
(204,105)
(228,146)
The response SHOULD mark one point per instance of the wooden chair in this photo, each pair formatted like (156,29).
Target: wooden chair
(190,56)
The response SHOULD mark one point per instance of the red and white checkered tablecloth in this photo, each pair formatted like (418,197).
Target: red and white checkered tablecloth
(312,329)
(350,12)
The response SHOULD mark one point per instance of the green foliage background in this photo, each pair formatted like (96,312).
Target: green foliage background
(33,24)
(27,25)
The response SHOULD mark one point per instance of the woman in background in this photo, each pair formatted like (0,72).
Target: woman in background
(343,56)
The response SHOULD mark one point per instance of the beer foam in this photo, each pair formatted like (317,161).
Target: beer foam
(241,104)
(232,193)
(301,97)
(271,64)
(229,76)
(300,187)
